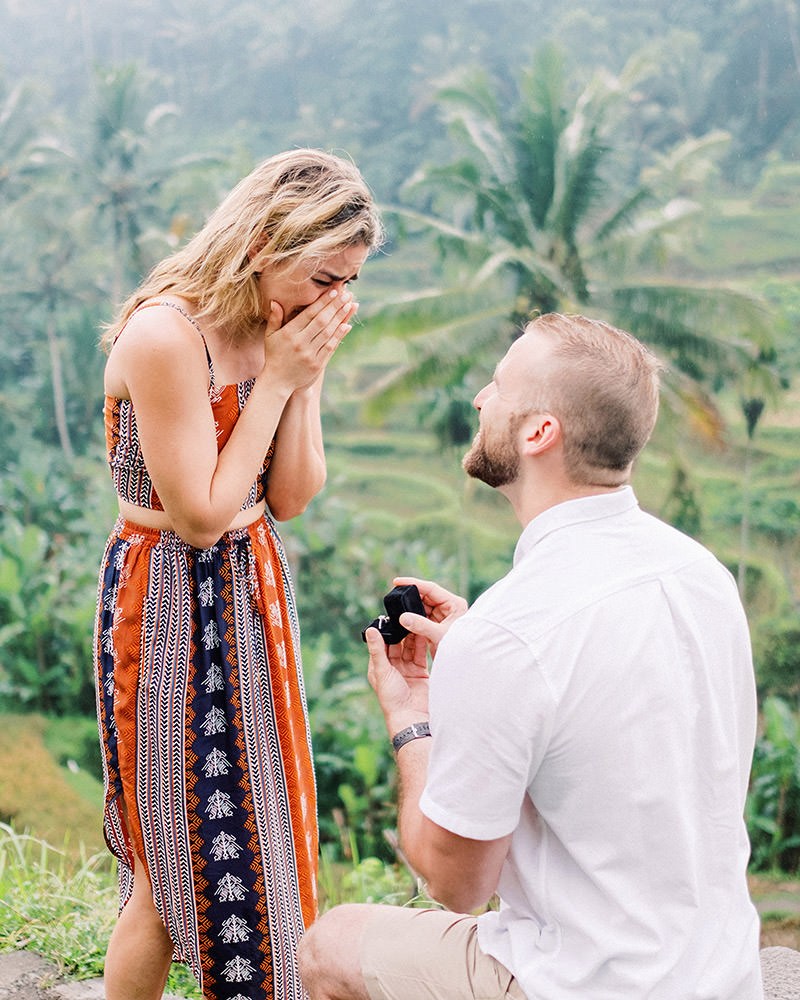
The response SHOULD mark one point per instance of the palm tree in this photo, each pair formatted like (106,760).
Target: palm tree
(57,190)
(34,249)
(127,169)
(539,213)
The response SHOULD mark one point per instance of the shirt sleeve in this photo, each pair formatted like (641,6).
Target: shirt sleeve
(491,718)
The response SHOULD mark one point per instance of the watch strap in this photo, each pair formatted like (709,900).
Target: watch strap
(414,732)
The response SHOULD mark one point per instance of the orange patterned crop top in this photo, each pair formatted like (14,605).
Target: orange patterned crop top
(128,471)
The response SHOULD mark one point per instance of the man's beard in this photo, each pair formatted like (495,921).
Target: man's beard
(497,465)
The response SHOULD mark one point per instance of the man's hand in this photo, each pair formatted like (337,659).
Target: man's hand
(399,677)
(441,607)
(461,873)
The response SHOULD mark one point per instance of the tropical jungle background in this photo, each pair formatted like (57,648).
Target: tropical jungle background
(635,161)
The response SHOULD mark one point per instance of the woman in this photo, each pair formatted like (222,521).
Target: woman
(212,419)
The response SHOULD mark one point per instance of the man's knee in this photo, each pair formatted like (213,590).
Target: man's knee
(321,934)
(307,951)
(328,953)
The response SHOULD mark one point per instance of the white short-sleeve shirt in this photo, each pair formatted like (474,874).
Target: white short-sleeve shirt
(598,702)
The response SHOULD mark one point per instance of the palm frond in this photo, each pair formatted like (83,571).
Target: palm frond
(435,353)
(535,145)
(624,215)
(582,188)
(683,397)
(708,332)
(427,221)
(542,85)
(469,89)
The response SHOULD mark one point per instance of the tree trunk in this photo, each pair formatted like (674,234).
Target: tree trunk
(57,377)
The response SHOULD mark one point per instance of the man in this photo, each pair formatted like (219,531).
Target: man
(592,719)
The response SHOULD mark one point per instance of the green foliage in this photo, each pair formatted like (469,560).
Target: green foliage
(682,508)
(776,516)
(353,759)
(373,882)
(777,653)
(45,623)
(47,584)
(73,742)
(50,906)
(369,880)
(773,807)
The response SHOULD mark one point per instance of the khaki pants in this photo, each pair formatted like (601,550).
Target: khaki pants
(409,954)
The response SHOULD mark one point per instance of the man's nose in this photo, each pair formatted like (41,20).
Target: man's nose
(479,400)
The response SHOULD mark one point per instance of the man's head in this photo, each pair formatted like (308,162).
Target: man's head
(572,381)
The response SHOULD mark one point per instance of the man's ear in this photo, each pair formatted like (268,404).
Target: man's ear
(541,432)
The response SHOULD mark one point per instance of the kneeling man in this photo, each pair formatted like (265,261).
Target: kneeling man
(583,744)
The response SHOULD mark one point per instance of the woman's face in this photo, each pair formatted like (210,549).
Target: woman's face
(298,285)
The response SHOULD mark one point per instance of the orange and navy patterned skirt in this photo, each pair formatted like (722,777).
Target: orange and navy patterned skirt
(204,726)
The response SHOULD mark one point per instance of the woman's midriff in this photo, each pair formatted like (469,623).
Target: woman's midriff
(161,521)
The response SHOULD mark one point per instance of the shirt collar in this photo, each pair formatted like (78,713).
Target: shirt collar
(578,511)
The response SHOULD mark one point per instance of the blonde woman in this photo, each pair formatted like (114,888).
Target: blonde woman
(212,416)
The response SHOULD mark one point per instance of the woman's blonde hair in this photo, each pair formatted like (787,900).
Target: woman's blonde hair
(300,206)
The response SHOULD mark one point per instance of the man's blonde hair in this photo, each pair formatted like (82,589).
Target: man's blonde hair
(297,207)
(603,387)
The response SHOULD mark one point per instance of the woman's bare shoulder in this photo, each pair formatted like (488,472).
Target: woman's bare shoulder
(160,336)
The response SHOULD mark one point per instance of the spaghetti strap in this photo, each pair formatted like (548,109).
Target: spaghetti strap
(191,319)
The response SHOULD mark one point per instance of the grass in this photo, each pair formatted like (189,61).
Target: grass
(53,906)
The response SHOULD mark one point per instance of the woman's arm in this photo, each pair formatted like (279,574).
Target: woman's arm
(297,470)
(160,360)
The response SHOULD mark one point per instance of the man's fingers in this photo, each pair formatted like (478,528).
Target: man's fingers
(376,647)
(375,641)
(419,625)
(432,593)
(444,603)
(378,660)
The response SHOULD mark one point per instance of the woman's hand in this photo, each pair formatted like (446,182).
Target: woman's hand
(298,352)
